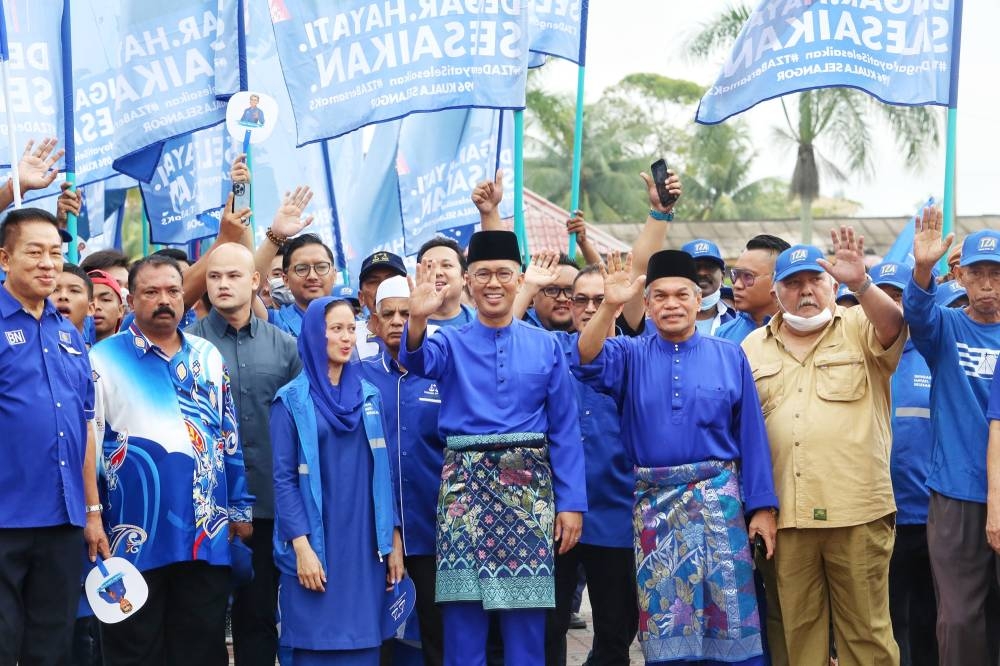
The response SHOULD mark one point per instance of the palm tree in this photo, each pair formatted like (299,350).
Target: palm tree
(841,119)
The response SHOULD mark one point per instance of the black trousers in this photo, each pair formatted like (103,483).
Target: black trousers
(611,585)
(911,597)
(40,590)
(183,622)
(423,570)
(255,605)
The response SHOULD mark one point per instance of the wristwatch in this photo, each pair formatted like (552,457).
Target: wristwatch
(94,508)
(864,287)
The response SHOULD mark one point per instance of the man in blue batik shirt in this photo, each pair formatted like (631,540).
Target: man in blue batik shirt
(48,480)
(416,451)
(172,468)
(961,348)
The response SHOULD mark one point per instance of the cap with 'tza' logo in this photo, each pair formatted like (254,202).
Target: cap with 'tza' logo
(981,246)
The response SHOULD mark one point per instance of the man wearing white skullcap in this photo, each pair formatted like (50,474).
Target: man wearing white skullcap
(416,451)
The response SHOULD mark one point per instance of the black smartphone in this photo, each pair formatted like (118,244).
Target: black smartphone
(241,197)
(759,548)
(660,175)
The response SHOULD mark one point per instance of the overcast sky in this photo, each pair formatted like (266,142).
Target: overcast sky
(626,36)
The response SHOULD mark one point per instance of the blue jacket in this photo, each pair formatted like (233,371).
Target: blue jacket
(295,396)
(912,437)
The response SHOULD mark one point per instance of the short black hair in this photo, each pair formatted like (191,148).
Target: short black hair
(15,218)
(566,260)
(174,253)
(152,261)
(82,274)
(105,259)
(589,269)
(443,241)
(299,242)
(772,244)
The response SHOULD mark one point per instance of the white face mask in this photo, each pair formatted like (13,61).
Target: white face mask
(280,293)
(709,302)
(805,324)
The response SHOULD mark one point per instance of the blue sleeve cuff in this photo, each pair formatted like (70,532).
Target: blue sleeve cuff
(762,501)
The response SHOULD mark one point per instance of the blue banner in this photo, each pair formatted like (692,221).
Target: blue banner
(185,185)
(899,52)
(165,83)
(357,62)
(559,28)
(35,71)
(4,50)
(441,158)
(368,194)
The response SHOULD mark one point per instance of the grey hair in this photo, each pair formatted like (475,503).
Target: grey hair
(695,289)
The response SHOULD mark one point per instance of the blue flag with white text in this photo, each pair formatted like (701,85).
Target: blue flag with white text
(900,53)
(441,158)
(358,62)
(165,83)
(559,28)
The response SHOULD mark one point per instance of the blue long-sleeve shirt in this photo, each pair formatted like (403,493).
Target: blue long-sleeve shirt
(912,436)
(610,475)
(411,405)
(686,402)
(961,354)
(507,380)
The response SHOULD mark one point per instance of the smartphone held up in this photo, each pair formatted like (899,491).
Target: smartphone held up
(660,175)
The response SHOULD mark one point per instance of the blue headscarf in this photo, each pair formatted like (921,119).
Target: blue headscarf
(339,405)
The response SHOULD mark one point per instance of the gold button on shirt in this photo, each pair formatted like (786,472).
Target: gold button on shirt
(828,421)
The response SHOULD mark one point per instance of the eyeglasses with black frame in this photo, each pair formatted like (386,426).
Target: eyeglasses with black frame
(503,275)
(321,268)
(747,277)
(555,292)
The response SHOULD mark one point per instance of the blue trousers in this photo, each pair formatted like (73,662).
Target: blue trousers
(466,625)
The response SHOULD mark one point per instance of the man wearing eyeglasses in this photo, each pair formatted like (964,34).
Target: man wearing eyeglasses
(961,347)
(513,485)
(752,277)
(605,548)
(308,267)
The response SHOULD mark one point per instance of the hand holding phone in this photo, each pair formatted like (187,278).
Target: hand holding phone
(660,175)
(241,198)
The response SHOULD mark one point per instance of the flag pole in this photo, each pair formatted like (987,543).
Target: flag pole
(574,199)
(338,241)
(145,232)
(952,131)
(69,130)
(519,227)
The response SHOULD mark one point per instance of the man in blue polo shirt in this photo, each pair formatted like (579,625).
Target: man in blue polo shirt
(961,348)
(752,277)
(416,451)
(911,589)
(48,474)
(709,264)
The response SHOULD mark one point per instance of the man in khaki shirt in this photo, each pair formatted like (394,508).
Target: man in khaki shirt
(822,372)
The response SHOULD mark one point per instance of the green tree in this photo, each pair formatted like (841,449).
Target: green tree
(840,120)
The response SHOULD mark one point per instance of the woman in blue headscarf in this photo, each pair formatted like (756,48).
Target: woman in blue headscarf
(336,537)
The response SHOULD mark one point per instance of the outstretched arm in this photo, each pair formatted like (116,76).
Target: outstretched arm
(619,288)
(650,240)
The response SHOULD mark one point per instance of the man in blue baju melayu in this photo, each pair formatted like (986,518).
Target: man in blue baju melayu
(513,480)
(692,425)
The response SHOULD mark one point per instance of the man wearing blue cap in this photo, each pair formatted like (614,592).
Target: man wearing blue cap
(823,375)
(345,292)
(951,294)
(961,348)
(911,588)
(709,266)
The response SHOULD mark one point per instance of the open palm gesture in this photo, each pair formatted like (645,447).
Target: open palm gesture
(35,168)
(288,220)
(543,269)
(425,299)
(848,265)
(928,245)
(619,288)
